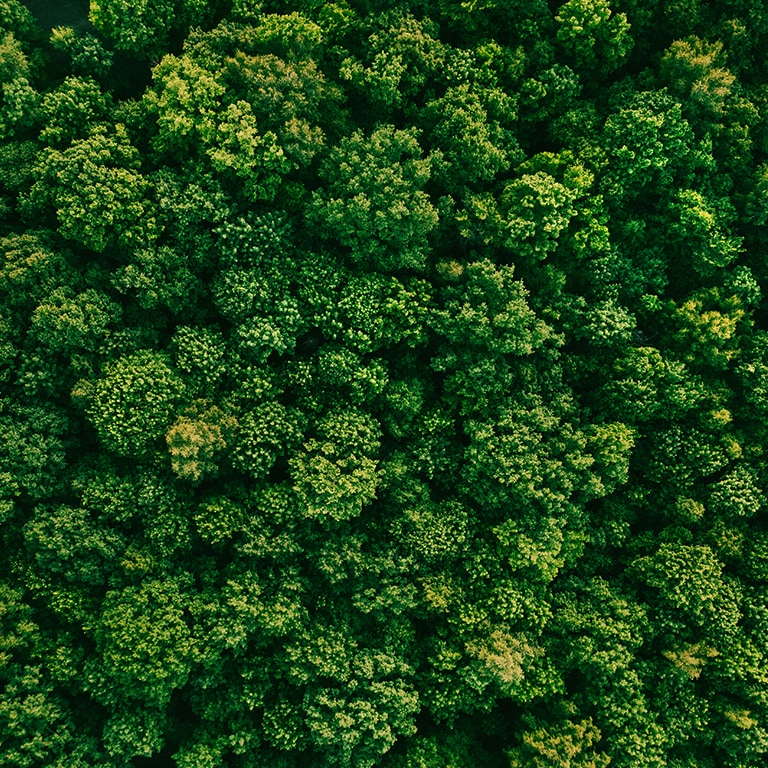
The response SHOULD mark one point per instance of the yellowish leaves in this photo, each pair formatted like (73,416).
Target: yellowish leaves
(195,441)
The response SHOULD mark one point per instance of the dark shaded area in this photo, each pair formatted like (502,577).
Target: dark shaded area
(71,13)
(162,760)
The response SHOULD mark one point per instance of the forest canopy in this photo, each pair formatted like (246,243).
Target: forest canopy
(383,385)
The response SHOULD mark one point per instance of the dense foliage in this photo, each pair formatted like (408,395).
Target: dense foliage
(384,384)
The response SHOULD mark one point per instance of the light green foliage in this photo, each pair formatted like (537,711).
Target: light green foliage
(263,434)
(159,278)
(217,520)
(133,732)
(696,73)
(539,211)
(647,142)
(32,269)
(611,445)
(186,98)
(336,475)
(256,159)
(355,730)
(145,643)
(254,116)
(593,37)
(13,61)
(37,725)
(604,323)
(703,231)
(373,202)
(538,206)
(737,493)
(341,370)
(486,308)
(707,328)
(96,191)
(401,56)
(259,337)
(693,589)
(20,101)
(32,449)
(567,745)
(71,109)
(379,311)
(288,98)
(530,455)
(474,146)
(290,36)
(352,724)
(199,354)
(17,18)
(134,402)
(67,543)
(501,660)
(535,546)
(433,531)
(65,322)
(646,386)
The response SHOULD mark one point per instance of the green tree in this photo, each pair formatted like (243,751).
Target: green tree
(19,108)
(537,207)
(702,232)
(72,109)
(96,191)
(33,268)
(474,147)
(373,201)
(134,402)
(648,145)
(39,726)
(66,323)
(33,453)
(351,724)
(695,72)
(199,354)
(567,745)
(593,37)
(693,589)
(68,544)
(485,308)
(264,433)
(196,439)
(88,57)
(379,311)
(402,54)
(336,473)
(147,29)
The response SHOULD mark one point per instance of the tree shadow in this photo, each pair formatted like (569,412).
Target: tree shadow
(65,13)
